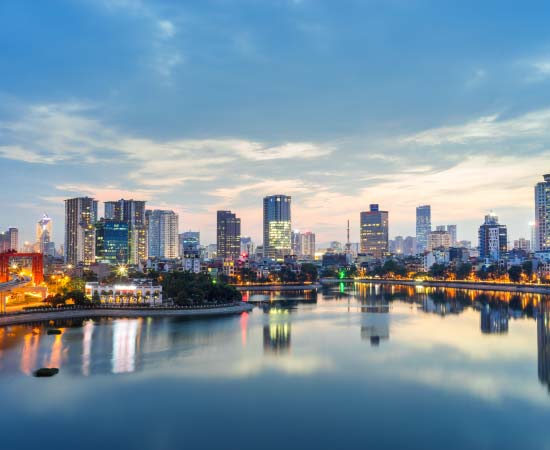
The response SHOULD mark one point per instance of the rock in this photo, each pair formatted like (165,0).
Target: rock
(53,331)
(46,372)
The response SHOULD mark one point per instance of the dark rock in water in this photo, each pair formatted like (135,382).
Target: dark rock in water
(46,372)
(53,331)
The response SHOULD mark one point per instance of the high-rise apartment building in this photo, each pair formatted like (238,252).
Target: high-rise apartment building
(9,240)
(247,246)
(162,233)
(451,229)
(423,227)
(523,244)
(80,219)
(303,244)
(131,212)
(112,245)
(44,235)
(542,215)
(409,246)
(228,235)
(189,241)
(277,227)
(440,238)
(374,232)
(493,239)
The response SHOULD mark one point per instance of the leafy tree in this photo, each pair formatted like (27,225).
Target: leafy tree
(527,267)
(438,271)
(515,273)
(463,271)
(308,272)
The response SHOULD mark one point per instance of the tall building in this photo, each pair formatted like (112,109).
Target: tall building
(423,227)
(451,229)
(439,239)
(303,244)
(542,215)
(112,243)
(493,239)
(409,246)
(374,232)
(9,240)
(189,241)
(277,226)
(162,233)
(80,219)
(247,246)
(131,212)
(44,235)
(228,235)
(522,244)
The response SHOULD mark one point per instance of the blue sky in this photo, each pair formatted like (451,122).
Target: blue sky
(202,105)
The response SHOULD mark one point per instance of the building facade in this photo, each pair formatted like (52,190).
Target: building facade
(374,232)
(189,241)
(493,239)
(9,240)
(303,244)
(162,233)
(228,235)
(112,241)
(131,212)
(423,227)
(439,239)
(277,229)
(80,219)
(44,236)
(542,215)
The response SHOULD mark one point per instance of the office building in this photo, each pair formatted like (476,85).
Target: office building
(493,239)
(409,246)
(451,229)
(131,212)
(162,233)
(228,235)
(112,241)
(542,215)
(423,227)
(247,246)
(374,232)
(80,219)
(277,226)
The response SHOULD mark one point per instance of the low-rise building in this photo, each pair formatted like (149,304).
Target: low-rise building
(134,292)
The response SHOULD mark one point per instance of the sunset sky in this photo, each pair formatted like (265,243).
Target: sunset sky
(203,105)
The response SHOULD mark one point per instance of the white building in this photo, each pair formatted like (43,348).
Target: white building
(191,262)
(542,215)
(439,239)
(162,236)
(125,294)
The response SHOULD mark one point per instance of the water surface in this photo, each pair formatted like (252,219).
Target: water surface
(348,367)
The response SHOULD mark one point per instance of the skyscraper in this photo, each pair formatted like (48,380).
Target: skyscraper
(374,232)
(542,215)
(43,235)
(451,229)
(112,241)
(303,244)
(493,239)
(162,233)
(189,241)
(131,212)
(9,240)
(80,219)
(228,235)
(277,226)
(423,227)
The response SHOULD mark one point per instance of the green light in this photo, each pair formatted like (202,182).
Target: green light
(342,288)
(342,274)
(214,281)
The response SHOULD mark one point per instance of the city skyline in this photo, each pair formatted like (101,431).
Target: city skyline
(153,123)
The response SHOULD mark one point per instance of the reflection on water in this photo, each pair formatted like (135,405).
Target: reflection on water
(386,360)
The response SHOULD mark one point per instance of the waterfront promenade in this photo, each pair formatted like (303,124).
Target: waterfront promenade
(470,285)
(84,313)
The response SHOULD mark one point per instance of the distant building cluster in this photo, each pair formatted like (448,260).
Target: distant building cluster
(132,235)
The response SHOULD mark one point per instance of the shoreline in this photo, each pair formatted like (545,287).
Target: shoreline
(44,316)
(467,285)
(278,287)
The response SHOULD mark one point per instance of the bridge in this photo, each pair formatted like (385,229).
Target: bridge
(7,287)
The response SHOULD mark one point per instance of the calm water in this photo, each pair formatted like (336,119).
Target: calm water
(348,367)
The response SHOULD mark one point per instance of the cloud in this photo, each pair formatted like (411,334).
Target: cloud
(487,128)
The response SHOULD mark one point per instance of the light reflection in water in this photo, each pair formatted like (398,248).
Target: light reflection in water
(88,331)
(125,342)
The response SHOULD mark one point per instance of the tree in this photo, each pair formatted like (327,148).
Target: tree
(527,267)
(308,272)
(514,273)
(463,271)
(437,271)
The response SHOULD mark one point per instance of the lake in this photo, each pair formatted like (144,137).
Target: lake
(350,366)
